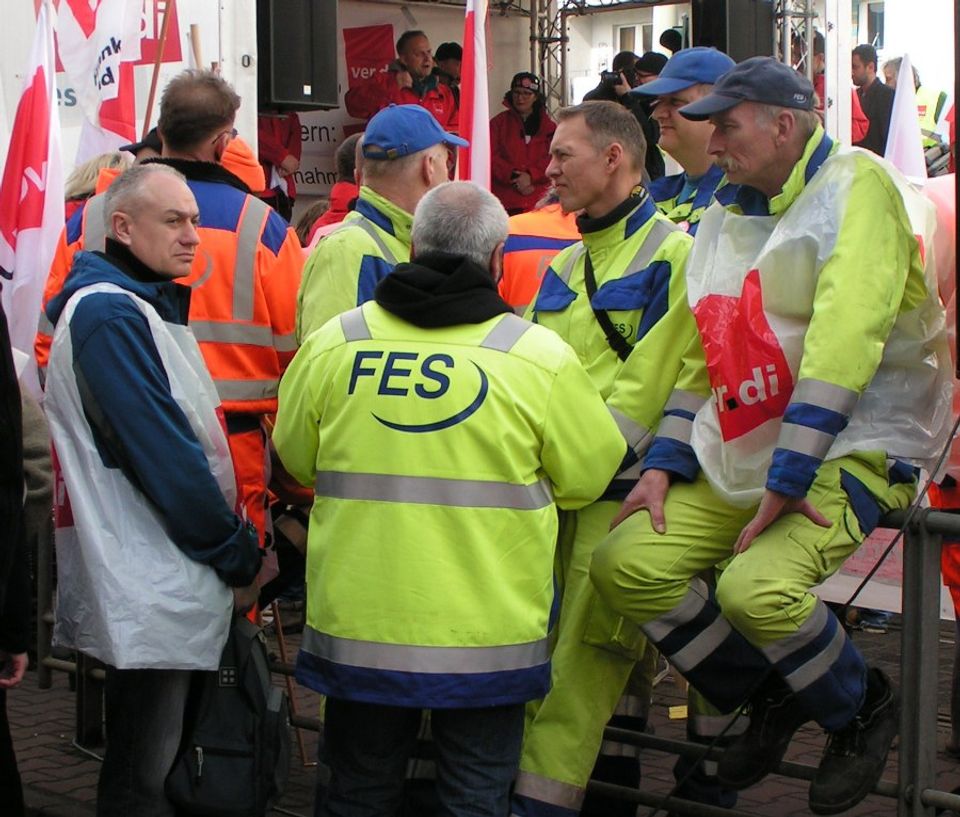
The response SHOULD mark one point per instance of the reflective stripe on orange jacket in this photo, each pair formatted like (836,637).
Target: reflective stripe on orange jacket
(245,279)
(534,239)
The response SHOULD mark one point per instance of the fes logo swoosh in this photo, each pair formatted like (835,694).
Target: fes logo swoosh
(439,425)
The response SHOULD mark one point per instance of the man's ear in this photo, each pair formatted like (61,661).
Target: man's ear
(496,263)
(785,124)
(120,227)
(614,155)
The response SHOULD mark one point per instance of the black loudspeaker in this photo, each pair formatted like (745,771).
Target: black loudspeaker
(739,28)
(297,45)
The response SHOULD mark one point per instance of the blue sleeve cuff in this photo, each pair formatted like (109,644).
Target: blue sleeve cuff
(678,458)
(792,473)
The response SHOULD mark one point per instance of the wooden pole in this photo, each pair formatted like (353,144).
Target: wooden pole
(195,45)
(161,44)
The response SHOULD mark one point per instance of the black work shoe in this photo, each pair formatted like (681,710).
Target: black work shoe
(855,756)
(775,714)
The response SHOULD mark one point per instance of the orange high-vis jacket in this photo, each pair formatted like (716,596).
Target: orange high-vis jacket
(239,159)
(534,239)
(244,279)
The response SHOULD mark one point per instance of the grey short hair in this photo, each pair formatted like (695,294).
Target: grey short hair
(459,218)
(807,121)
(374,169)
(128,187)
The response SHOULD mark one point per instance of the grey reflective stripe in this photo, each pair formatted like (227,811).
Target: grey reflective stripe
(354,325)
(681,400)
(520,311)
(658,233)
(461,493)
(555,792)
(804,440)
(633,472)
(632,432)
(248,236)
(805,633)
(370,229)
(94,226)
(504,336)
(246,389)
(674,427)
(688,609)
(44,326)
(220,332)
(286,343)
(819,665)
(826,395)
(408,658)
(575,254)
(705,643)
(710,726)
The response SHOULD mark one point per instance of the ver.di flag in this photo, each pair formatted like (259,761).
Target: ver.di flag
(31,191)
(474,98)
(904,140)
(99,42)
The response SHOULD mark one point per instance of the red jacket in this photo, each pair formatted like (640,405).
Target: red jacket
(859,124)
(364,100)
(278,136)
(509,151)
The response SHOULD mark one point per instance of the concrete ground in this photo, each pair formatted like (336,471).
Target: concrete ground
(60,779)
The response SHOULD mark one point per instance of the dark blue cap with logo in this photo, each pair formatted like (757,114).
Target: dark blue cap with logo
(692,66)
(758,79)
(399,130)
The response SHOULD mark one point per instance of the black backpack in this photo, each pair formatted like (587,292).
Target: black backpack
(235,753)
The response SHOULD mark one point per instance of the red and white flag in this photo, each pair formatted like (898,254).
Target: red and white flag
(904,140)
(99,41)
(31,191)
(474,98)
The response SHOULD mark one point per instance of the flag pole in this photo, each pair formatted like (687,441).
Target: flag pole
(161,44)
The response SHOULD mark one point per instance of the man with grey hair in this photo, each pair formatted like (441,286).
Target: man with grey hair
(404,156)
(823,383)
(156,558)
(441,432)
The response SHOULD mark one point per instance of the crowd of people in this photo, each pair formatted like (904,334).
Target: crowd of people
(760,361)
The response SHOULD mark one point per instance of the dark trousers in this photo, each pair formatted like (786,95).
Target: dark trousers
(11,792)
(144,715)
(367,746)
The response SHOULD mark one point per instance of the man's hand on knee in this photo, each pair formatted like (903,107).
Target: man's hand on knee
(772,507)
(648,494)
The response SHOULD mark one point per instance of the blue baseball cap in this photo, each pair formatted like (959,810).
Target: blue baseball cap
(692,66)
(758,79)
(399,130)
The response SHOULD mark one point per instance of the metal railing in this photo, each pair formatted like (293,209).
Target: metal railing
(914,790)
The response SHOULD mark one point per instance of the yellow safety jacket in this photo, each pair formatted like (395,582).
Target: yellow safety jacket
(638,259)
(439,458)
(345,267)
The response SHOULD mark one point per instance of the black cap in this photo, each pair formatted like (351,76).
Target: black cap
(526,80)
(448,51)
(651,63)
(151,140)
(758,79)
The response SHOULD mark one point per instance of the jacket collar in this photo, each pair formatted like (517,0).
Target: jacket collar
(751,202)
(385,214)
(197,171)
(619,224)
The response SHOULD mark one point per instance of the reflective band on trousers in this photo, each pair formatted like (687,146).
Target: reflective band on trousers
(687,610)
(246,389)
(439,660)
(461,493)
(94,227)
(554,792)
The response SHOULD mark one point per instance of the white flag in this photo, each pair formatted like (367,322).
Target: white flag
(904,140)
(31,192)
